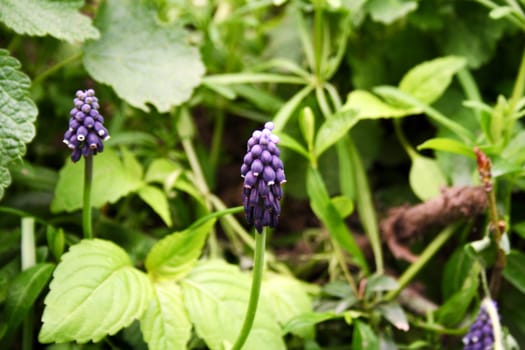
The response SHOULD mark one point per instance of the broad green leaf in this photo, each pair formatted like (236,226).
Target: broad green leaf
(456,271)
(307,320)
(447,145)
(17,114)
(514,271)
(23,291)
(380,283)
(394,314)
(333,129)
(344,205)
(131,163)
(161,169)
(60,19)
(388,11)
(165,324)
(364,337)
(369,106)
(111,181)
(95,291)
(175,255)
(145,61)
(328,214)
(427,81)
(454,309)
(288,299)
(426,178)
(216,297)
(157,200)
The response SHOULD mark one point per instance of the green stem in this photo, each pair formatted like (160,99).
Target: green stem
(252,78)
(318,38)
(258,267)
(28,260)
(216,140)
(39,78)
(88,181)
(424,258)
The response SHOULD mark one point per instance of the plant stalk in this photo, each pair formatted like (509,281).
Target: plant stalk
(28,260)
(88,181)
(258,267)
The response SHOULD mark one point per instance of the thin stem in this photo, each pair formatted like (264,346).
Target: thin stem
(342,262)
(318,38)
(28,260)
(424,258)
(88,181)
(216,140)
(258,267)
(39,78)
(252,78)
(21,214)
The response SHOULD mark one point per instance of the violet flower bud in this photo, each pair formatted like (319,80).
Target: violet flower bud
(86,130)
(263,174)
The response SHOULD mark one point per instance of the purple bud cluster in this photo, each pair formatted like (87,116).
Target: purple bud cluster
(263,174)
(480,335)
(86,130)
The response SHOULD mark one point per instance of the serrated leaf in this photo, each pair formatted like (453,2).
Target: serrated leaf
(95,291)
(157,200)
(388,11)
(369,106)
(153,65)
(175,255)
(333,129)
(111,181)
(426,178)
(60,19)
(288,299)
(23,291)
(216,297)
(514,270)
(428,80)
(165,325)
(17,115)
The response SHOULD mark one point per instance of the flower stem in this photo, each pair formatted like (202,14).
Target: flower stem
(88,180)
(258,267)
(28,260)
(39,78)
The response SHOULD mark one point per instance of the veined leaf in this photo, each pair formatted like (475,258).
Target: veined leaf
(95,291)
(165,324)
(60,19)
(111,181)
(369,106)
(427,81)
(333,129)
(17,114)
(175,255)
(136,65)
(216,297)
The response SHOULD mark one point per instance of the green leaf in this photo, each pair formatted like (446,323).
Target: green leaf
(289,142)
(95,291)
(131,163)
(447,145)
(427,81)
(23,291)
(157,200)
(60,19)
(111,181)
(307,320)
(307,126)
(17,114)
(369,106)
(175,255)
(514,271)
(344,205)
(453,310)
(165,325)
(394,314)
(456,271)
(288,299)
(55,241)
(282,116)
(328,214)
(333,129)
(388,11)
(161,169)
(216,297)
(364,337)
(380,283)
(426,178)
(153,65)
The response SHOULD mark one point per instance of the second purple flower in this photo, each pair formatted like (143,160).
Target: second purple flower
(263,174)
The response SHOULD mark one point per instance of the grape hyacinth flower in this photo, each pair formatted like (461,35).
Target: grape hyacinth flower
(263,174)
(480,335)
(86,130)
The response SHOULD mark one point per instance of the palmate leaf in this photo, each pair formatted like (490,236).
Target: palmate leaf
(59,19)
(95,291)
(165,324)
(216,297)
(17,114)
(145,61)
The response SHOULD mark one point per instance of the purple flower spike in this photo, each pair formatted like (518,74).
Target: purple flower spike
(86,130)
(480,335)
(263,174)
